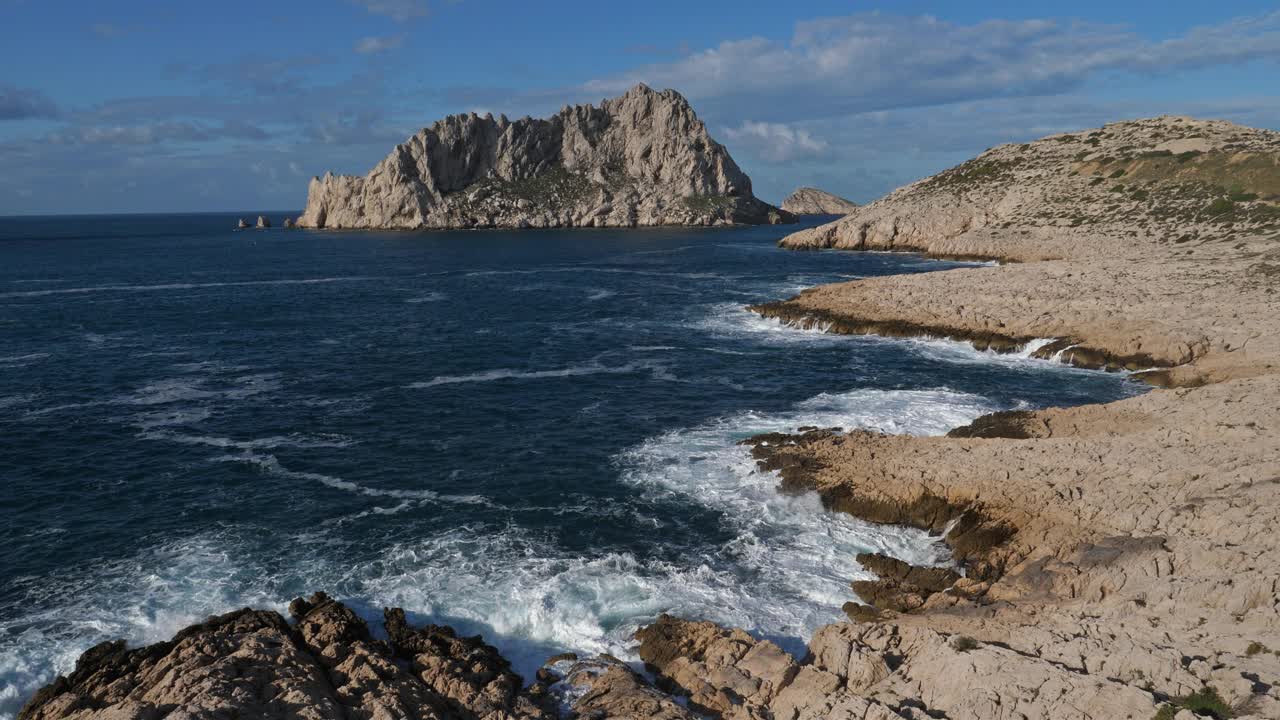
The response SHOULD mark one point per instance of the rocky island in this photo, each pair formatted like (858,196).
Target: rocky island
(641,159)
(812,201)
(1112,561)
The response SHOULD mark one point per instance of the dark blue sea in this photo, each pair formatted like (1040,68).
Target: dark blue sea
(530,435)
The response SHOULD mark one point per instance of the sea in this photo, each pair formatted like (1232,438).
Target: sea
(529,435)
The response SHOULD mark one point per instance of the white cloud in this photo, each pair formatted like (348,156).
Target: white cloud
(398,10)
(864,62)
(776,142)
(376,44)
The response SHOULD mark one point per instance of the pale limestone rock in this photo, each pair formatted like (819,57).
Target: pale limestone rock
(641,159)
(263,222)
(812,201)
(605,688)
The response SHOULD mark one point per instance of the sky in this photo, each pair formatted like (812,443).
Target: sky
(150,106)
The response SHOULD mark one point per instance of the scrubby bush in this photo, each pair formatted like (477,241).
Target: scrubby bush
(1205,702)
(1220,206)
(964,643)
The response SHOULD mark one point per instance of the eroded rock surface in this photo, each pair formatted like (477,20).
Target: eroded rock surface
(640,159)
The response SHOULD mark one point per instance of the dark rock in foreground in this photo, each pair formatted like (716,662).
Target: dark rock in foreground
(254,664)
(642,159)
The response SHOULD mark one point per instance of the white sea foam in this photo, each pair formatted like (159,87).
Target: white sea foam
(570,371)
(293,440)
(178,286)
(271,466)
(585,268)
(196,388)
(958,351)
(144,598)
(9,401)
(22,359)
(731,320)
(428,298)
(734,321)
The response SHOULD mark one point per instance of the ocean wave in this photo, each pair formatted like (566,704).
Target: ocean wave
(733,321)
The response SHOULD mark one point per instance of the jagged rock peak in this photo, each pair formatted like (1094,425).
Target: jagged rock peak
(812,201)
(643,158)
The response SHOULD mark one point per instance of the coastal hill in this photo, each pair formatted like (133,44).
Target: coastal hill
(812,201)
(641,159)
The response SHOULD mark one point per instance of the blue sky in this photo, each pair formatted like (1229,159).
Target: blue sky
(170,106)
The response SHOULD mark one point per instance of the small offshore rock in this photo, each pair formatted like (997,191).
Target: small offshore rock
(242,224)
(812,201)
(263,222)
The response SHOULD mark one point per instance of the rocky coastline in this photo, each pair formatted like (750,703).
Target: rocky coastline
(1111,561)
(642,159)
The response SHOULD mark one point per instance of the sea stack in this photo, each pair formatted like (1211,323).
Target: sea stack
(242,224)
(288,223)
(642,159)
(263,222)
(812,201)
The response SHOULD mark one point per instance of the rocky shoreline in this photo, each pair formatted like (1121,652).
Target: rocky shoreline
(1130,550)
(1112,560)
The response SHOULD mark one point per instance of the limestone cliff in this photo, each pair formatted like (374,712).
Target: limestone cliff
(640,159)
(812,201)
